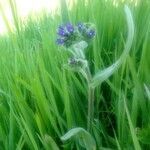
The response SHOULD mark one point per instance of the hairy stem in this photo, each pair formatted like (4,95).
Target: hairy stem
(90,108)
(90,100)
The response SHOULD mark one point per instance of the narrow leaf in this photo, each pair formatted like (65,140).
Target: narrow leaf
(132,130)
(106,73)
(147,91)
(50,143)
(83,136)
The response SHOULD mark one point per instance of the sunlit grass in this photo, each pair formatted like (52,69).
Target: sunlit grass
(26,8)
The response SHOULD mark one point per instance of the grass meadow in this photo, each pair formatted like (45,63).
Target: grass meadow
(40,101)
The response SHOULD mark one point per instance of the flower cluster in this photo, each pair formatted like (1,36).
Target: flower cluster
(76,39)
(69,34)
(66,35)
(86,30)
(77,62)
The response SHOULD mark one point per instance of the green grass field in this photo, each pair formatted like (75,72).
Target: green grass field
(40,101)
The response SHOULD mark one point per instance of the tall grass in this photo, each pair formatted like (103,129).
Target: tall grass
(40,101)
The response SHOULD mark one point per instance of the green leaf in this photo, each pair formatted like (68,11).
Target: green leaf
(147,91)
(80,45)
(78,49)
(50,143)
(83,136)
(70,68)
(64,11)
(132,129)
(144,135)
(106,73)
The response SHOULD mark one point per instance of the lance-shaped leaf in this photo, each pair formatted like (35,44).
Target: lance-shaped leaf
(144,135)
(84,137)
(64,11)
(147,91)
(78,49)
(106,73)
(80,45)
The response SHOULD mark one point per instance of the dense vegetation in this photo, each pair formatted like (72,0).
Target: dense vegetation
(40,101)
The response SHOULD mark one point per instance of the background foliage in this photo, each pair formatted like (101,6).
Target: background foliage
(40,101)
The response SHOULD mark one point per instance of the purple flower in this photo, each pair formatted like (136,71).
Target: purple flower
(61,31)
(91,33)
(69,34)
(60,41)
(66,35)
(86,30)
(72,61)
(70,28)
(64,31)
(80,26)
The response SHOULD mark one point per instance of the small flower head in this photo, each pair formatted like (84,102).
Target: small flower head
(77,62)
(70,28)
(65,31)
(86,30)
(66,35)
(61,31)
(80,26)
(91,33)
(72,61)
(60,41)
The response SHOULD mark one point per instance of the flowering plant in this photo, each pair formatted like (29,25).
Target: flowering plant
(75,39)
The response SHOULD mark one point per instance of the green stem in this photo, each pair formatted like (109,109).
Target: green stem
(90,108)
(90,101)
